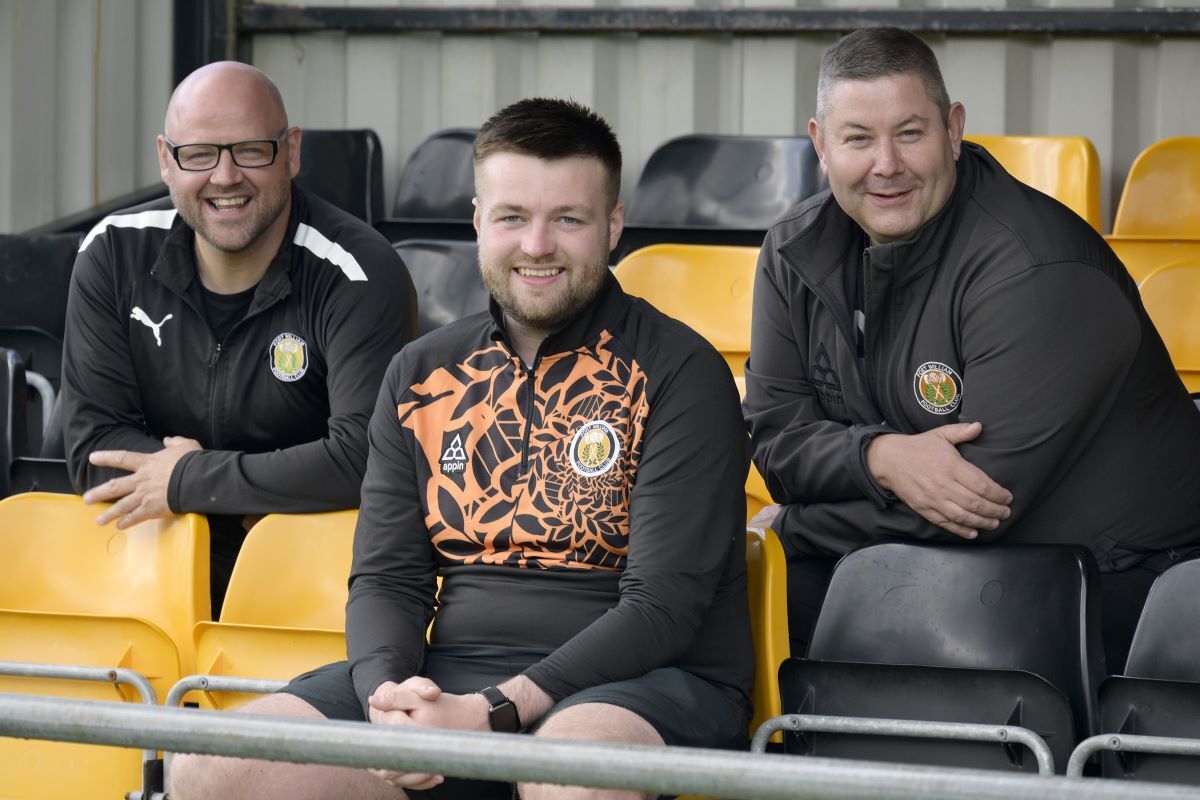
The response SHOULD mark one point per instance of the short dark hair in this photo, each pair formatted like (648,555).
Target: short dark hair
(552,128)
(878,53)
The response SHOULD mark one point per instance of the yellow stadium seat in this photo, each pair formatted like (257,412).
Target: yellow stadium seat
(757,495)
(708,287)
(1162,191)
(285,610)
(1065,167)
(767,573)
(1171,295)
(74,593)
(1141,255)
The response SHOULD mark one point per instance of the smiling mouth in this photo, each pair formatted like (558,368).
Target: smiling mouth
(538,272)
(227,203)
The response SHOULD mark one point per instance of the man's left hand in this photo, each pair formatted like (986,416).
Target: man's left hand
(141,495)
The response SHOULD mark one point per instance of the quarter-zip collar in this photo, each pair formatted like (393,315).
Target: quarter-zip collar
(175,267)
(607,309)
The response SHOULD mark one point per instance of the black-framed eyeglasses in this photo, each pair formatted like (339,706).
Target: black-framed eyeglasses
(250,154)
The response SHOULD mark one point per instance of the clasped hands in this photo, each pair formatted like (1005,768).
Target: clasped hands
(142,494)
(419,701)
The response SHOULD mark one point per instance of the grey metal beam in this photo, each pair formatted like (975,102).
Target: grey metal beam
(509,757)
(1130,743)
(1137,21)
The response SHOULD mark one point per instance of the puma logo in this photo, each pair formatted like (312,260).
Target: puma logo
(144,318)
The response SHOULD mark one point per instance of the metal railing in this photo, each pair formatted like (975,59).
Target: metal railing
(1129,743)
(511,757)
(870,726)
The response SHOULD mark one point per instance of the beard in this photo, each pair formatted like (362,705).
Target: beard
(545,313)
(265,208)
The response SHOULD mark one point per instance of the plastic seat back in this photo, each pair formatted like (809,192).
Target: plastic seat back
(345,168)
(438,181)
(1033,608)
(285,610)
(1171,295)
(766,572)
(1065,167)
(1142,255)
(1159,694)
(707,287)
(1166,644)
(292,571)
(446,277)
(1162,192)
(55,558)
(724,181)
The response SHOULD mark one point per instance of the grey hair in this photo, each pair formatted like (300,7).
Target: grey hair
(874,53)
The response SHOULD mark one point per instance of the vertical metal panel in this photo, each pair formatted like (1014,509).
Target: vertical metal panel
(85,82)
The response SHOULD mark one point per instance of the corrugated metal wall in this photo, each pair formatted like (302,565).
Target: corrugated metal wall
(86,81)
(83,87)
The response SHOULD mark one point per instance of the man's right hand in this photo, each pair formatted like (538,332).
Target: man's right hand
(928,474)
(393,704)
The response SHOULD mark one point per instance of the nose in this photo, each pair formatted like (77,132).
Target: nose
(887,158)
(225,173)
(538,240)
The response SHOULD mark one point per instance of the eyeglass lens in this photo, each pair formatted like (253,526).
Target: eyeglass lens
(245,154)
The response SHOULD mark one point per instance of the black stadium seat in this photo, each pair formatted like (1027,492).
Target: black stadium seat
(1003,635)
(433,200)
(35,272)
(1159,694)
(344,167)
(12,414)
(446,277)
(707,189)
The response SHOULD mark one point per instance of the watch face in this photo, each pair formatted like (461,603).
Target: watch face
(503,718)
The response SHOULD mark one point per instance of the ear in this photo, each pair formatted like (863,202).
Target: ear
(477,216)
(616,224)
(818,139)
(164,159)
(956,123)
(293,141)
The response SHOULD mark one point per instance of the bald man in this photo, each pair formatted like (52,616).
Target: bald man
(224,347)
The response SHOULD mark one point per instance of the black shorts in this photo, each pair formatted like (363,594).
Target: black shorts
(685,710)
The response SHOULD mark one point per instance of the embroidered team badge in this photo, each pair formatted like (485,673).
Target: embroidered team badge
(594,449)
(289,357)
(938,387)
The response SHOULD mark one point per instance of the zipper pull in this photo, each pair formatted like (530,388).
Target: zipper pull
(216,355)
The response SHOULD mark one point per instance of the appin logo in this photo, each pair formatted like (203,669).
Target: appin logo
(454,457)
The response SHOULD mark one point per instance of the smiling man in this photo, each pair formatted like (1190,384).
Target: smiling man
(940,352)
(224,347)
(571,466)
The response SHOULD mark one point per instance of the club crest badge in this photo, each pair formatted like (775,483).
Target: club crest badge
(938,387)
(594,449)
(289,357)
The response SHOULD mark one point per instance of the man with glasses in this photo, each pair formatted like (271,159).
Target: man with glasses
(224,347)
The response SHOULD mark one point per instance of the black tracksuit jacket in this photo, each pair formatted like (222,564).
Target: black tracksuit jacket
(281,405)
(590,506)
(1005,308)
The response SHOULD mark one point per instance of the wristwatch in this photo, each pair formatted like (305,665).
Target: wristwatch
(502,714)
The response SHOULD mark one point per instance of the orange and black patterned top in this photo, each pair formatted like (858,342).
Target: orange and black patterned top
(590,505)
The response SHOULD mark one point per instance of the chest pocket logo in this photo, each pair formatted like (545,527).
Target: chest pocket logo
(938,387)
(288,357)
(594,449)
(155,327)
